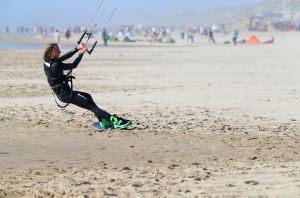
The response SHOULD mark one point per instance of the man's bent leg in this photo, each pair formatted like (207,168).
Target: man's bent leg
(85,100)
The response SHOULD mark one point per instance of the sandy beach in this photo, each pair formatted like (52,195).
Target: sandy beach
(212,121)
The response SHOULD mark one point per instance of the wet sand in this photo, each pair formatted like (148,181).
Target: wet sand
(213,121)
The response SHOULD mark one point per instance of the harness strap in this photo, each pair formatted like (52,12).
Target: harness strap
(69,78)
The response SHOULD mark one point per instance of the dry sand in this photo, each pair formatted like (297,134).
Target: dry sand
(216,121)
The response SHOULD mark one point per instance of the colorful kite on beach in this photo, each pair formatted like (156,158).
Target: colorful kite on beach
(253,40)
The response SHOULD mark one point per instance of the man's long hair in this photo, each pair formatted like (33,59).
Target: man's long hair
(48,51)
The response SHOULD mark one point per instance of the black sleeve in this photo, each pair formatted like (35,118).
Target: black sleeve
(68,66)
(68,55)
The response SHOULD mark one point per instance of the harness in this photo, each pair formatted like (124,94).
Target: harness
(68,79)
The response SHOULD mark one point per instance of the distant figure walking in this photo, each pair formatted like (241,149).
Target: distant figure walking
(104,37)
(235,35)
(68,35)
(7,30)
(56,37)
(211,38)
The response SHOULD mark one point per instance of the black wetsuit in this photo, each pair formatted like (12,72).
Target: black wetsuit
(59,84)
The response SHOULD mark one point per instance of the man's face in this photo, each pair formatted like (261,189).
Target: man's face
(56,52)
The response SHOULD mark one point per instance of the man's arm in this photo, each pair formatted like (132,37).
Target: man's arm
(71,53)
(68,66)
(68,55)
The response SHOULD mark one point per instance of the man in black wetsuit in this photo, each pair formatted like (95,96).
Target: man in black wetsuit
(54,67)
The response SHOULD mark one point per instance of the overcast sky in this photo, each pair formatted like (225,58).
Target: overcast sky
(79,12)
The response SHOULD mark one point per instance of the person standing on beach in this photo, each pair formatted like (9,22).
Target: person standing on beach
(54,68)
(235,35)
(68,35)
(211,38)
(7,30)
(56,37)
(104,37)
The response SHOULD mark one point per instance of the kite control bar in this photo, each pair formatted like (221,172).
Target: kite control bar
(91,50)
(82,36)
(90,33)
